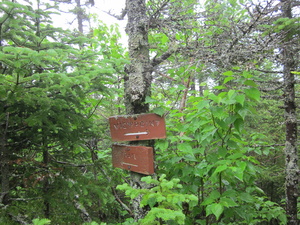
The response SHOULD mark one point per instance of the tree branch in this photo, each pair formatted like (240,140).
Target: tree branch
(73,165)
(272,97)
(158,60)
(118,17)
(271,88)
(121,203)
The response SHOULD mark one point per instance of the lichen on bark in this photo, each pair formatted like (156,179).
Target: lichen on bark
(291,152)
(137,80)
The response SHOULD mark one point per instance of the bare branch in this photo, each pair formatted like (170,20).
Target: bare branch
(269,71)
(272,97)
(266,146)
(120,201)
(271,88)
(165,75)
(73,165)
(118,17)
(158,60)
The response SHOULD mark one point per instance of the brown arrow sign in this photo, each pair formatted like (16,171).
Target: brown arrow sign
(137,127)
(134,158)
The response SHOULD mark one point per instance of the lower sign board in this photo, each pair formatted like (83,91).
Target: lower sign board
(137,127)
(134,158)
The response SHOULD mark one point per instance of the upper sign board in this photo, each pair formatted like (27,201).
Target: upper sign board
(137,127)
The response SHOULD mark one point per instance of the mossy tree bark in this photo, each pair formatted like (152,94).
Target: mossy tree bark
(138,79)
(291,155)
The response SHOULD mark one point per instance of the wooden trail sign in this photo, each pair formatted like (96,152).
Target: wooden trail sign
(137,127)
(134,158)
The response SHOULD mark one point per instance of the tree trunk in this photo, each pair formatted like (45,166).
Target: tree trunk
(291,156)
(4,197)
(46,184)
(138,79)
(79,14)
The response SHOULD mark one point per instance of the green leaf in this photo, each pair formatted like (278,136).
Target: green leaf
(221,168)
(162,144)
(250,83)
(236,156)
(240,99)
(164,39)
(228,73)
(222,124)
(222,151)
(227,202)
(246,197)
(230,93)
(220,87)
(227,79)
(159,111)
(247,74)
(216,209)
(243,112)
(253,94)
(214,195)
(239,124)
(185,147)
(203,104)
(41,221)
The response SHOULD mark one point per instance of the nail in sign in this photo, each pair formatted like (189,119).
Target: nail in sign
(134,158)
(137,127)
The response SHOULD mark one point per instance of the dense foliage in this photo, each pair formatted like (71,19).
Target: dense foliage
(219,77)
(52,82)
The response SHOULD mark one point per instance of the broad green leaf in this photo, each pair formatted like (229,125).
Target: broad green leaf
(216,209)
(222,151)
(190,158)
(214,194)
(243,112)
(214,98)
(185,147)
(228,73)
(250,83)
(238,173)
(227,79)
(162,144)
(219,87)
(253,94)
(231,193)
(236,156)
(221,168)
(222,124)
(230,93)
(239,124)
(240,99)
(159,111)
(247,74)
(41,221)
(227,202)
(218,112)
(164,39)
(266,151)
(203,104)
(246,197)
